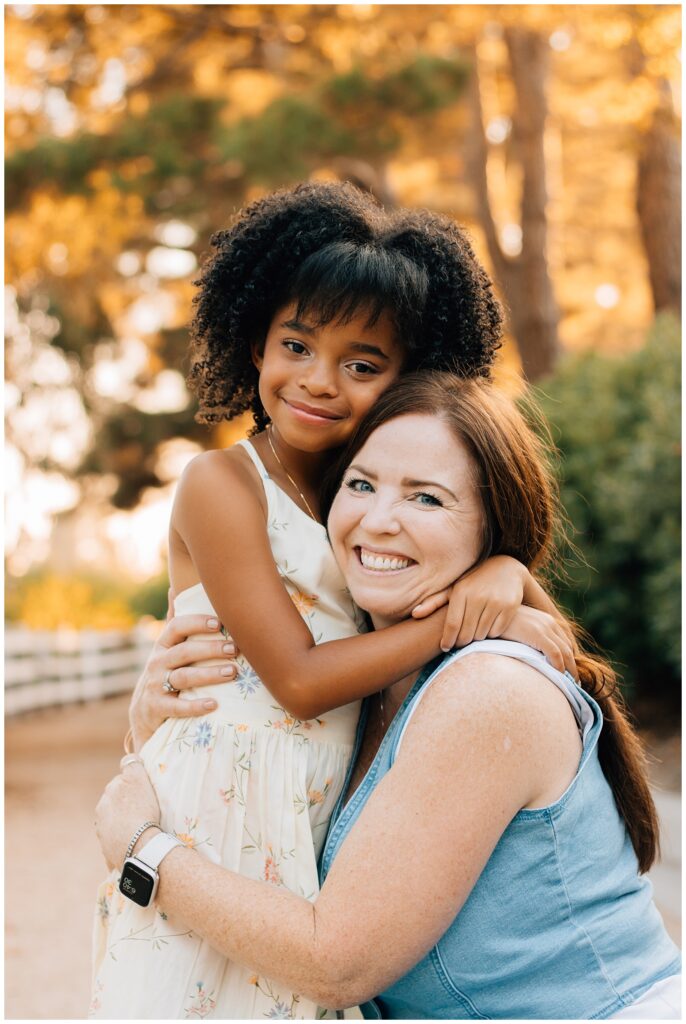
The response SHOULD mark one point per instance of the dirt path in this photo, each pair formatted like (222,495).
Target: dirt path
(57,764)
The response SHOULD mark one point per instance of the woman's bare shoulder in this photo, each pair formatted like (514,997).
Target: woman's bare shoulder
(499,701)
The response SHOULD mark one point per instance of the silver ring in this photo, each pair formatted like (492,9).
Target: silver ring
(166,685)
(130,759)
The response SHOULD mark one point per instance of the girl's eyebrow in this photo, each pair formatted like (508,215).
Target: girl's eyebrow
(297,325)
(406,482)
(370,350)
(356,346)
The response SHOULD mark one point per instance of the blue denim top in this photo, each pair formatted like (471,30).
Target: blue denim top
(559,924)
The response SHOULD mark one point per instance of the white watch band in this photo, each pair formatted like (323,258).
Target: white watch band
(154,852)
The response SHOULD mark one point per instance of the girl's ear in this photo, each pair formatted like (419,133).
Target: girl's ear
(257,353)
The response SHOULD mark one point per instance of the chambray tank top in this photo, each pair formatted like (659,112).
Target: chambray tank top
(559,924)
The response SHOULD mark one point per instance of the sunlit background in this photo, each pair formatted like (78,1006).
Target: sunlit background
(550,132)
(134,132)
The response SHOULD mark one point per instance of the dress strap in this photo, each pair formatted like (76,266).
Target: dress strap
(585,709)
(257,461)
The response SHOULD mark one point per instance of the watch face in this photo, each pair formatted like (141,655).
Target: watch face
(136,884)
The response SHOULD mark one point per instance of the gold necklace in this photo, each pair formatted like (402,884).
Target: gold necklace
(306,502)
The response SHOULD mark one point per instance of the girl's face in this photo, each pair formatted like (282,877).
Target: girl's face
(408,519)
(317,382)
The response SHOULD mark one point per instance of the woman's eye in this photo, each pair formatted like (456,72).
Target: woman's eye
(361,486)
(364,369)
(430,500)
(294,346)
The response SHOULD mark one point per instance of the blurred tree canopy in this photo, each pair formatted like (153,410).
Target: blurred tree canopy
(134,132)
(616,424)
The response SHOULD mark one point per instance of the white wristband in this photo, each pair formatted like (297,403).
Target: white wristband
(154,852)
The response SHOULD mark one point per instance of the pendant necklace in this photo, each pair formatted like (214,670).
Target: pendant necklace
(304,499)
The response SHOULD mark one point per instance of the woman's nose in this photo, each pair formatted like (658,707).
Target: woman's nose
(380,517)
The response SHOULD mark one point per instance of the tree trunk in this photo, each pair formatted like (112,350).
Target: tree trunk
(524,279)
(658,202)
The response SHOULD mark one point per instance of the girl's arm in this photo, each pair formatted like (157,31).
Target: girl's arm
(495,600)
(219,516)
(489,737)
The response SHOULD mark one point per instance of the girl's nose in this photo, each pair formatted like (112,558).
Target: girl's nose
(318,379)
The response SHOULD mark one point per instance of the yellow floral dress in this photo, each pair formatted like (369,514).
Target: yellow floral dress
(249,787)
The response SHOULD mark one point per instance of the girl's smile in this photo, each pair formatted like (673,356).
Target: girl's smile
(311,414)
(317,381)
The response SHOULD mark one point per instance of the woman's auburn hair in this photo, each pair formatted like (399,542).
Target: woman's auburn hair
(522,516)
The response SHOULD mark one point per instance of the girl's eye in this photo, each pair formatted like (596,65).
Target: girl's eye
(361,486)
(294,346)
(429,500)
(364,369)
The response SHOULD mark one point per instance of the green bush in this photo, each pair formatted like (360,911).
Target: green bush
(616,423)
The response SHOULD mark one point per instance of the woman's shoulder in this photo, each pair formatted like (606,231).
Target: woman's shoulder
(491,694)
(500,716)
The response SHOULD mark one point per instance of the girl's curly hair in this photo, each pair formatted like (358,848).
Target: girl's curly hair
(331,248)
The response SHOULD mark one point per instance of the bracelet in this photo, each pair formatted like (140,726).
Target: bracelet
(137,834)
(128,739)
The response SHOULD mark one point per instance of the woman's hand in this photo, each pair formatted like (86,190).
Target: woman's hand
(482,603)
(173,659)
(128,801)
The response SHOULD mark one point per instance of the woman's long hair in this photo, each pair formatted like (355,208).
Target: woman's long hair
(521,516)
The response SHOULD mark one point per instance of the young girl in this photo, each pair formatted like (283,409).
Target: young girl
(313,304)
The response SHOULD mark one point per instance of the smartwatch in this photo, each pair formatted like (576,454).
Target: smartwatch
(139,877)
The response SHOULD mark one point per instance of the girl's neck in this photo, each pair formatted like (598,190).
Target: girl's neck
(292,468)
(306,468)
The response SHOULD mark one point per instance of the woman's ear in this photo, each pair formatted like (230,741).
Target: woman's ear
(257,353)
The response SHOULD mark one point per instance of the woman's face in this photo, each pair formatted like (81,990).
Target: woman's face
(408,519)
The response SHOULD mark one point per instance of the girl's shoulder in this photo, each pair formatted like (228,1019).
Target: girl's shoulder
(225,475)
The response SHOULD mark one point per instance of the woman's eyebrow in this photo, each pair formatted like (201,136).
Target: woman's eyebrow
(428,483)
(406,482)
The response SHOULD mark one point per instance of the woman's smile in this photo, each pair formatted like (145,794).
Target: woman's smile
(407,520)
(383,561)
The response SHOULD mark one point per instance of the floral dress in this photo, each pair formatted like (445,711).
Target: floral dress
(247,786)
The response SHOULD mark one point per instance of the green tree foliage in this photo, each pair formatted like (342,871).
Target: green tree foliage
(616,424)
(194,157)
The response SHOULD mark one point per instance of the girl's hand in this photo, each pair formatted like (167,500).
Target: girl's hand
(482,603)
(549,635)
(175,654)
(127,803)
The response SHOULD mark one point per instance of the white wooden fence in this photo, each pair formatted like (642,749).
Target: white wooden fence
(45,668)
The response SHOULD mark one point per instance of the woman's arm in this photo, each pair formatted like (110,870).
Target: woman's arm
(220,518)
(489,737)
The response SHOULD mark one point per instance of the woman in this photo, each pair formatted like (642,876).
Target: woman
(485,862)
